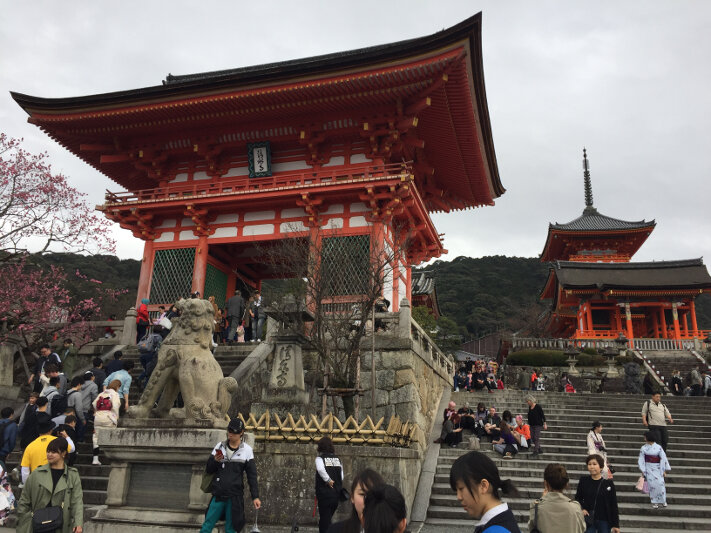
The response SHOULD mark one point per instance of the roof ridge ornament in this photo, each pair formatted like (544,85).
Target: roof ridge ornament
(589,209)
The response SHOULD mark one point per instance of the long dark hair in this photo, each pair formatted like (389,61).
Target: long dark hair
(472,468)
(384,509)
(368,479)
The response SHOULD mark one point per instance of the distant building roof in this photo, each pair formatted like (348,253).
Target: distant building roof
(591,220)
(423,282)
(685,274)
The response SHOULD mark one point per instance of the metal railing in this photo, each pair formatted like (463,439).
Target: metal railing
(239,185)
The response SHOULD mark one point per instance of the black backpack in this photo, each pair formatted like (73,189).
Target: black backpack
(58,404)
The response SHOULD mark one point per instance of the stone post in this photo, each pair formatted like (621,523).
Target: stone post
(405,319)
(7,357)
(286,387)
(118,484)
(128,337)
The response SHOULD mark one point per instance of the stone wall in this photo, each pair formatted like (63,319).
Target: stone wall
(287,477)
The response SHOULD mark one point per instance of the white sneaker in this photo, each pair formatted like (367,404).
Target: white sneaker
(20,485)
(96,461)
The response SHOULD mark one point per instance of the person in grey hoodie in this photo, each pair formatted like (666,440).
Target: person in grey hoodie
(74,401)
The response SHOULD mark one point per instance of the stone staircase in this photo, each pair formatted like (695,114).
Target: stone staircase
(95,478)
(569,418)
(666,362)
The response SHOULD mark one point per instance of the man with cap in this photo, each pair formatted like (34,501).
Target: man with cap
(229,461)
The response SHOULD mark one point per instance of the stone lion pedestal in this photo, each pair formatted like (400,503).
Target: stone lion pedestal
(156,470)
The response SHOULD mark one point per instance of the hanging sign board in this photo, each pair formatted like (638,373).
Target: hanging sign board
(260,159)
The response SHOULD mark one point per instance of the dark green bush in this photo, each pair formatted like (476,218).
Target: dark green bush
(537,358)
(589,351)
(586,359)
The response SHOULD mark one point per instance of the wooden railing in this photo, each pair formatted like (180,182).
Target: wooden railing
(244,185)
(270,427)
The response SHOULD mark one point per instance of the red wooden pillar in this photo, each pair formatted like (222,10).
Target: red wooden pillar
(630,329)
(675,314)
(655,322)
(694,325)
(144,281)
(200,266)
(686,324)
(409,284)
(618,319)
(231,285)
(663,315)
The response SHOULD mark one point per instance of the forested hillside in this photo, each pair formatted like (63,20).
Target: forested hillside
(481,295)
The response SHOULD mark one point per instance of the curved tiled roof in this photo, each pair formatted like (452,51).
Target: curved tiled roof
(423,282)
(591,220)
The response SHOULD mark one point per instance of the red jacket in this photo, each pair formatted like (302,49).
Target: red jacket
(142,313)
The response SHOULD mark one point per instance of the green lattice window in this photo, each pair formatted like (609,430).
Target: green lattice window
(345,265)
(172,275)
(216,285)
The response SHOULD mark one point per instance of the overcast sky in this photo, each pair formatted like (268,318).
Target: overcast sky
(628,80)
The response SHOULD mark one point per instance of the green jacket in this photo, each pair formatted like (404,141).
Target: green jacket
(38,492)
(69,358)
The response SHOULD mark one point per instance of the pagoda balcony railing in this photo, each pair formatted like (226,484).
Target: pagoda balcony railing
(242,185)
(525,343)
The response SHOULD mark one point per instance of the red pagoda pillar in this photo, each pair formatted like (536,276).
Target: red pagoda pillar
(686,324)
(144,281)
(628,317)
(694,325)
(663,315)
(675,314)
(200,268)
(655,323)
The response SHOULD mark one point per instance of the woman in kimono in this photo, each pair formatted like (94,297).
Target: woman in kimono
(596,446)
(654,465)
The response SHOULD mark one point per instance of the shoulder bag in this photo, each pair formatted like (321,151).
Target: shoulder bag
(590,518)
(51,518)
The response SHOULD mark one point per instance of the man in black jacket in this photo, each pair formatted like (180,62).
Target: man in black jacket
(235,310)
(229,461)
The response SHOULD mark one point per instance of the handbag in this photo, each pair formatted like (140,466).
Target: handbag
(206,482)
(48,519)
(165,322)
(642,485)
(535,519)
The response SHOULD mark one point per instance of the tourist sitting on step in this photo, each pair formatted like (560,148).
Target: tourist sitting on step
(508,418)
(522,432)
(555,512)
(452,429)
(450,410)
(460,380)
(478,380)
(385,511)
(491,424)
(598,498)
(476,480)
(596,446)
(506,443)
(468,419)
(361,485)
(491,383)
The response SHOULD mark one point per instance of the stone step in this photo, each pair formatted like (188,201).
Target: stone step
(680,517)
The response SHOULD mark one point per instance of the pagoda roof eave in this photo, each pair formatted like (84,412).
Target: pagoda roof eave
(655,275)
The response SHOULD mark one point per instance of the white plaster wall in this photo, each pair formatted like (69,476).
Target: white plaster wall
(290,227)
(333,223)
(227,218)
(358,207)
(287,166)
(168,223)
(358,222)
(186,235)
(166,236)
(236,171)
(201,175)
(293,212)
(259,215)
(224,232)
(334,209)
(186,222)
(359,158)
(335,161)
(258,229)
(183,176)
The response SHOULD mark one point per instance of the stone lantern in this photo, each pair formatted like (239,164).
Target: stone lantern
(621,341)
(572,352)
(610,353)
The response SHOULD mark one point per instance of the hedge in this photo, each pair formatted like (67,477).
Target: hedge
(537,358)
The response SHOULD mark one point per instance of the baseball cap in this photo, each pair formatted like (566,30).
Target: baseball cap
(235,426)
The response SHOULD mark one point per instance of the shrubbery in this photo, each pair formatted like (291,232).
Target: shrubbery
(537,358)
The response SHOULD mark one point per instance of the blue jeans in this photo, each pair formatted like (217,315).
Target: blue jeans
(258,331)
(599,526)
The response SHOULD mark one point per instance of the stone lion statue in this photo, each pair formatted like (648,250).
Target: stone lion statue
(186,365)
